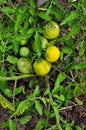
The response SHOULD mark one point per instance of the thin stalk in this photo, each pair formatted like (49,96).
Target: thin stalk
(11,3)
(16,77)
(51,101)
(15,84)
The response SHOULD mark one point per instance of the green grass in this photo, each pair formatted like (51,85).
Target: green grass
(44,96)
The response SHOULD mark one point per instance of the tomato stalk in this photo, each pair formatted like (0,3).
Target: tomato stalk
(52,103)
(16,77)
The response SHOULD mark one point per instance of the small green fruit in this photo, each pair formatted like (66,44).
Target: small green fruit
(51,30)
(24,65)
(24,52)
(23,42)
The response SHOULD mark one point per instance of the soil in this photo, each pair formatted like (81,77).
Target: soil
(70,113)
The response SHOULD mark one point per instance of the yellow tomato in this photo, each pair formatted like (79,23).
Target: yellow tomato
(41,67)
(52,53)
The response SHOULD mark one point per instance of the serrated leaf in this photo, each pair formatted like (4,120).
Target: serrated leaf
(18,22)
(44,16)
(75,29)
(44,100)
(25,120)
(12,59)
(6,104)
(81,65)
(30,31)
(11,125)
(76,91)
(3,84)
(73,15)
(78,101)
(18,90)
(23,105)
(41,123)
(32,3)
(57,13)
(38,107)
(15,46)
(66,50)
(70,66)
(61,77)
(38,44)
(36,91)
(56,111)
(8,10)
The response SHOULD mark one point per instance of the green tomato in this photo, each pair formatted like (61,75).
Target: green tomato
(24,52)
(24,65)
(51,30)
(23,42)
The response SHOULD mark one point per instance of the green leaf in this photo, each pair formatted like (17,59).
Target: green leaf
(38,44)
(73,15)
(76,91)
(30,31)
(41,123)
(32,11)
(18,22)
(32,3)
(75,29)
(18,90)
(6,104)
(56,111)
(31,83)
(81,65)
(61,97)
(44,100)
(61,77)
(58,14)
(8,92)
(3,1)
(66,50)
(15,46)
(36,91)
(44,16)
(25,120)
(12,59)
(23,105)
(8,10)
(70,66)
(3,84)
(38,107)
(78,101)
(11,125)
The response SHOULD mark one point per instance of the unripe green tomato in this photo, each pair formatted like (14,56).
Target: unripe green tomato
(24,52)
(51,30)
(23,42)
(24,65)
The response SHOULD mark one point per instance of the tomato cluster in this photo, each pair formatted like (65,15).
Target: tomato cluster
(41,66)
